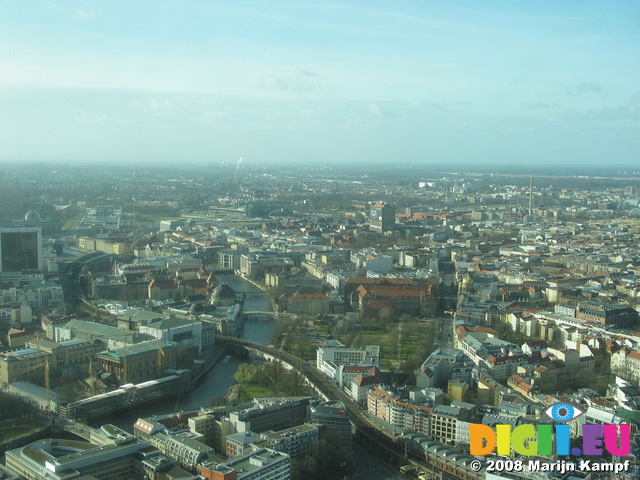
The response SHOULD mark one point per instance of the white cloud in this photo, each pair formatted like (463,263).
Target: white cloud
(153,106)
(83,14)
(616,113)
(84,116)
(307,73)
(587,87)
(380,111)
(538,105)
(293,84)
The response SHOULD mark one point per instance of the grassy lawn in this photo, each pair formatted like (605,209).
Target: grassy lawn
(269,380)
(253,390)
(7,433)
(375,337)
(405,341)
(404,346)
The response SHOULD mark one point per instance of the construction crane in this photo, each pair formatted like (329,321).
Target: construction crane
(47,378)
(160,355)
(91,379)
(124,356)
(40,364)
(462,314)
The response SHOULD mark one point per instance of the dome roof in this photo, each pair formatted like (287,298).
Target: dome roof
(224,291)
(196,308)
(32,216)
(223,294)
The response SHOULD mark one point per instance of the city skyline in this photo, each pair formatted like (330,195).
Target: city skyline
(286,82)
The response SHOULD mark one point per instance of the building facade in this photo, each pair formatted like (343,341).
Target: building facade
(335,426)
(382,217)
(140,362)
(60,459)
(20,249)
(263,464)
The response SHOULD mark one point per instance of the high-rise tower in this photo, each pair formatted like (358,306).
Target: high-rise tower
(20,249)
(383,217)
(531,195)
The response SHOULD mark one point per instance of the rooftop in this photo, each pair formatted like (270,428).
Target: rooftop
(138,349)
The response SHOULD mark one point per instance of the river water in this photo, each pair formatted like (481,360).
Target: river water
(217,381)
(220,378)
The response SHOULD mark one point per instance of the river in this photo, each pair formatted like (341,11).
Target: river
(219,379)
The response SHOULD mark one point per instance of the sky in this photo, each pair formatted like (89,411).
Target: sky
(324,82)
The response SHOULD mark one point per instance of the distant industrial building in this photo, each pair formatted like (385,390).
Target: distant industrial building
(101,219)
(607,313)
(266,208)
(170,225)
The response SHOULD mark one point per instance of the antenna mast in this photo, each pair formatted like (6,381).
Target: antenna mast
(531,195)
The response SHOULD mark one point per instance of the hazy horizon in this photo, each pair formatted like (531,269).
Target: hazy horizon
(436,83)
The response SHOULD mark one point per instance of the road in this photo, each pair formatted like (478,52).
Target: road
(445,333)
(369,430)
(371,467)
(381,440)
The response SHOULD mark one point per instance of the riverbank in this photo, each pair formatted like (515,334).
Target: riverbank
(261,286)
(267,379)
(215,380)
(212,357)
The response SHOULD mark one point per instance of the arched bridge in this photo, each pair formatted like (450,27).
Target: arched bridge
(271,354)
(373,437)
(316,380)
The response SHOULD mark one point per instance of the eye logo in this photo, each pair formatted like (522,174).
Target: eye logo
(563,412)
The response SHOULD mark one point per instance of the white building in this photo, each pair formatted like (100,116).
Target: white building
(16,314)
(347,373)
(297,441)
(373,262)
(184,448)
(37,294)
(370,355)
(263,464)
(186,333)
(626,364)
(360,387)
(438,367)
(462,432)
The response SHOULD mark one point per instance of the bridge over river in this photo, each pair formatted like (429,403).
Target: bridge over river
(371,434)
